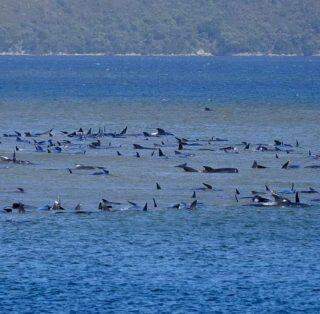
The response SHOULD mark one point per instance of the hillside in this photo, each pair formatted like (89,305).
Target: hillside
(160,26)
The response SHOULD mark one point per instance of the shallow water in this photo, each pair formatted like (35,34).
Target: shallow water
(222,257)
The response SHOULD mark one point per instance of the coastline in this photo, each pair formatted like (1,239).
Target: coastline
(197,54)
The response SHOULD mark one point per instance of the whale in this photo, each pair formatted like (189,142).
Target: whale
(84,167)
(101,173)
(137,146)
(78,209)
(313,167)
(288,166)
(186,168)
(104,205)
(183,155)
(193,205)
(309,191)
(255,165)
(279,201)
(208,169)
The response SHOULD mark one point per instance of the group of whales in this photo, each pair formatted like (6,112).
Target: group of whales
(257,199)
(104,205)
(80,141)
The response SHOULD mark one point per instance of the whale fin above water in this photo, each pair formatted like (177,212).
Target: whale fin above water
(124,131)
(193,205)
(187,168)
(161,154)
(137,146)
(255,165)
(145,207)
(208,186)
(297,198)
(154,203)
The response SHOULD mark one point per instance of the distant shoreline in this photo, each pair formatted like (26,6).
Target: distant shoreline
(198,54)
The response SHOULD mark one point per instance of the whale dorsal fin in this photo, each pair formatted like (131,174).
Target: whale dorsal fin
(207,186)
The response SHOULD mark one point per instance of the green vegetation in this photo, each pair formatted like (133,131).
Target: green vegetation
(160,26)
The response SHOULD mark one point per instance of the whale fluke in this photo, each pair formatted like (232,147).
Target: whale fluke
(158,186)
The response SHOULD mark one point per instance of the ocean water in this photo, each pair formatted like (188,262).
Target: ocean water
(223,257)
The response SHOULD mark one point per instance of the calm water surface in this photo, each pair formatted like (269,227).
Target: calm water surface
(224,257)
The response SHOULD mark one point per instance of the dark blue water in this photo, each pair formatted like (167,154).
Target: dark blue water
(223,257)
(223,80)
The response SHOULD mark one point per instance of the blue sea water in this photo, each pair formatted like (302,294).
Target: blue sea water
(223,257)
